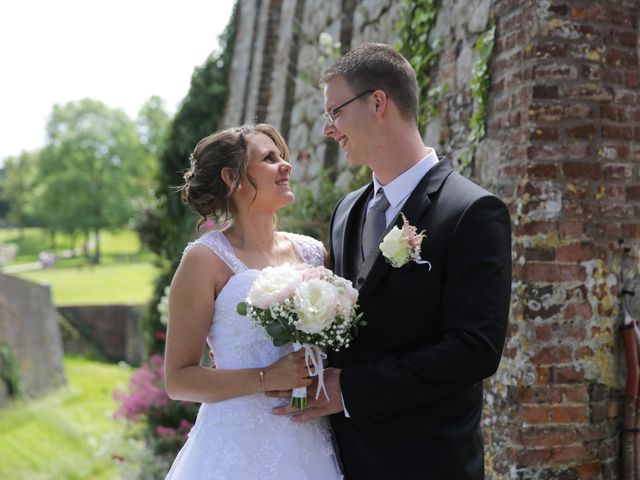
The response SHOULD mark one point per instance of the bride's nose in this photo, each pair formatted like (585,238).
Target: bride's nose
(285,167)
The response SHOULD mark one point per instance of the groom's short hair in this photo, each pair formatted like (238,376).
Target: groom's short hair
(373,66)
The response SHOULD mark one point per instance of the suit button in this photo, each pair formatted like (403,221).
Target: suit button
(360,281)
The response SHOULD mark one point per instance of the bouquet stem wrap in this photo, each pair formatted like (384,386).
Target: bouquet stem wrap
(313,357)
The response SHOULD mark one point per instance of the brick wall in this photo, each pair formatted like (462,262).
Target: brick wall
(565,108)
(562,149)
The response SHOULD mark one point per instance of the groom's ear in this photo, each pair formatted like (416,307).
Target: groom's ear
(381,101)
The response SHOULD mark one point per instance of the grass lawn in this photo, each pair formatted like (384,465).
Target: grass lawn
(114,246)
(125,274)
(30,242)
(58,436)
(117,283)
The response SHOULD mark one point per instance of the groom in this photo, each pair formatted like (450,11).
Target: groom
(406,397)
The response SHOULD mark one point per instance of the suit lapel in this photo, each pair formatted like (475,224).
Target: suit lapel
(375,266)
(347,233)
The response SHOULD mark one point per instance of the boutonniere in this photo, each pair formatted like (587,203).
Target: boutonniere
(402,245)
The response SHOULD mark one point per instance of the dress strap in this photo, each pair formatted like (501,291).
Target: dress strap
(310,249)
(218,244)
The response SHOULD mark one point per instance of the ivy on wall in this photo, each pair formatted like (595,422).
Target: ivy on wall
(480,84)
(414,27)
(9,370)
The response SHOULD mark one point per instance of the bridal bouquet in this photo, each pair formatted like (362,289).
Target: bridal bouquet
(308,306)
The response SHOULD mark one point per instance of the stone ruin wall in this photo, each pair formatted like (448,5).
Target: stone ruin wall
(110,332)
(563,127)
(29,326)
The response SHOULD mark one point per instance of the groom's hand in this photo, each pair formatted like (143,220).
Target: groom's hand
(316,408)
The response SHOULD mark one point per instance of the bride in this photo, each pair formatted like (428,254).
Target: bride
(240,174)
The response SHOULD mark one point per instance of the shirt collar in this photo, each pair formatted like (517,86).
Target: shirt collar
(400,187)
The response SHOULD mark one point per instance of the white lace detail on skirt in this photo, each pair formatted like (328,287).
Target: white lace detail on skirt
(240,438)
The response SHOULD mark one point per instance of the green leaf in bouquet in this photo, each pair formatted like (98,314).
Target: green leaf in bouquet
(275,329)
(242,309)
(358,323)
(280,341)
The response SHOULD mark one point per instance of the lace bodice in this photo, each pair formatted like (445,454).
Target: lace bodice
(240,438)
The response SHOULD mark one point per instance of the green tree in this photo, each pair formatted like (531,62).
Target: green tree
(16,188)
(152,125)
(201,110)
(4,205)
(91,169)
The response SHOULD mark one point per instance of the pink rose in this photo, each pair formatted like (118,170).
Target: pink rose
(317,273)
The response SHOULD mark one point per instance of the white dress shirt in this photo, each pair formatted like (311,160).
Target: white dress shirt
(398,190)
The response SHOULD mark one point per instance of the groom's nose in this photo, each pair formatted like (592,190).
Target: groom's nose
(328,130)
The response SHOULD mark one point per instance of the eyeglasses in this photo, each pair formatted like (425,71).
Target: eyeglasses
(331,117)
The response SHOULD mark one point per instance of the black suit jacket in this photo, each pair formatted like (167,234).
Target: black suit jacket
(412,378)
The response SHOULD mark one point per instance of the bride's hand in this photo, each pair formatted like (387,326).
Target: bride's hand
(287,373)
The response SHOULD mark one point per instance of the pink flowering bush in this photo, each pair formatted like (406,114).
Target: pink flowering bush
(164,423)
(145,392)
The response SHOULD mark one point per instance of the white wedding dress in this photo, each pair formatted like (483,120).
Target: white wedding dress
(240,439)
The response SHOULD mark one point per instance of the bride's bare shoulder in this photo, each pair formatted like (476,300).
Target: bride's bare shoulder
(201,263)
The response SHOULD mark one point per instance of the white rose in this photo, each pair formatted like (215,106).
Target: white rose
(315,301)
(395,247)
(274,285)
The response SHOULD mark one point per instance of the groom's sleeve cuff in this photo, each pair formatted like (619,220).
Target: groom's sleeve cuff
(346,412)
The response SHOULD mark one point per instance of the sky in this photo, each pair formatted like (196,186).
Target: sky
(120,52)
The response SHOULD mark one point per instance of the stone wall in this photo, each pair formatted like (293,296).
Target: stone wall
(111,331)
(29,326)
(282,69)
(562,149)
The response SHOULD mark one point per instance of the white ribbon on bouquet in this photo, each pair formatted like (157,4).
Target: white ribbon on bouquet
(313,357)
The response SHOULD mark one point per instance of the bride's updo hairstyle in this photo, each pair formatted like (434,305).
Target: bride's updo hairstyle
(204,189)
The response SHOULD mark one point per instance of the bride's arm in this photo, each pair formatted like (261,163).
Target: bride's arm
(199,277)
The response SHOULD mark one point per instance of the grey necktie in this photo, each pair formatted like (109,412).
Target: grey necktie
(375,223)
